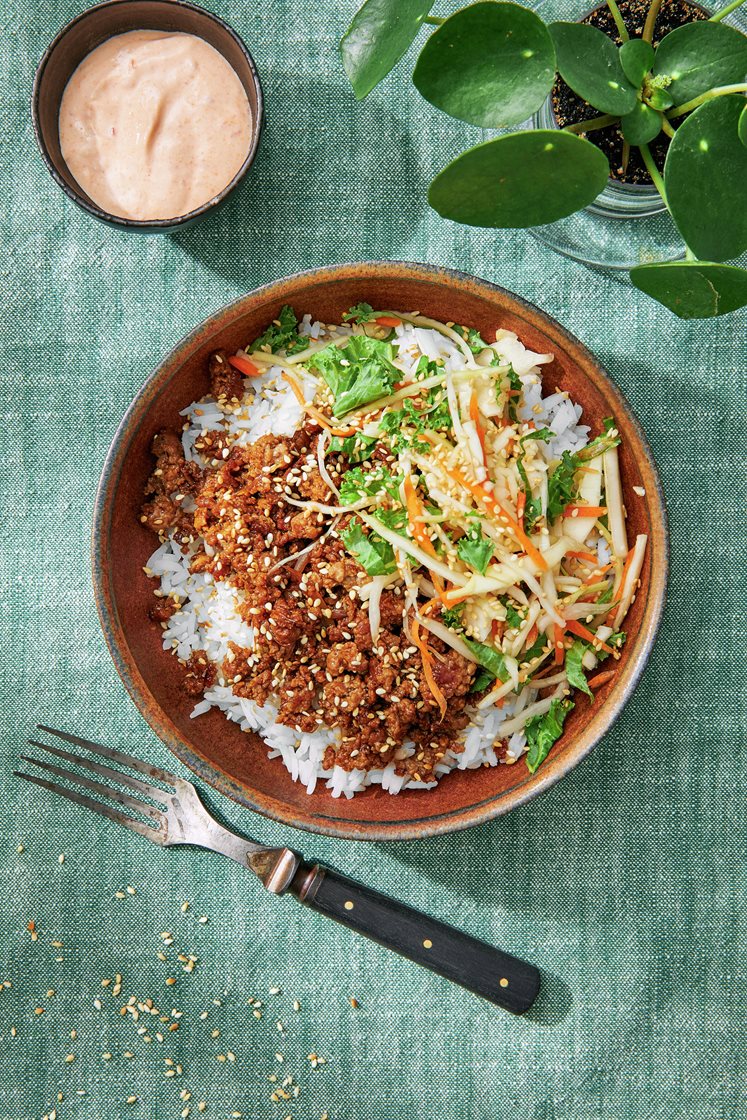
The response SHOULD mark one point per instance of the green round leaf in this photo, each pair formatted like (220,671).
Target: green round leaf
(491,64)
(742,126)
(636,59)
(524,179)
(659,98)
(378,36)
(693,289)
(705,176)
(642,125)
(590,63)
(699,56)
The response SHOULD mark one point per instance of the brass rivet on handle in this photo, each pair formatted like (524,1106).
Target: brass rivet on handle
(503,982)
(427,944)
(348,905)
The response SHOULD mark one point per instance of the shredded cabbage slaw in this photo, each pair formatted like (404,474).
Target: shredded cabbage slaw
(519,562)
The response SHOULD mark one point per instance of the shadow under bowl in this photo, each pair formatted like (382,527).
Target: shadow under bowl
(236,763)
(89,30)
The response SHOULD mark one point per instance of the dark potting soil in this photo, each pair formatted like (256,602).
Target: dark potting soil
(569,108)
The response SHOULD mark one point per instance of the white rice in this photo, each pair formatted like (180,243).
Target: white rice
(208,617)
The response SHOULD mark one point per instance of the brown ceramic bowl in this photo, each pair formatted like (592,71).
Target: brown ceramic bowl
(89,30)
(237,763)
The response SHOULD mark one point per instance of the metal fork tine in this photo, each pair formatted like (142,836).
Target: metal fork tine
(156,835)
(133,803)
(105,771)
(113,755)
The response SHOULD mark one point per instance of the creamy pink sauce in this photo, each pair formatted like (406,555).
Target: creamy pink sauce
(154,124)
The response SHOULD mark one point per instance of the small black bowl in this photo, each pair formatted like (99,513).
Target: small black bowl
(86,32)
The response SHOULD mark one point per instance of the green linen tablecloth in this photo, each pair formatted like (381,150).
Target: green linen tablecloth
(625,882)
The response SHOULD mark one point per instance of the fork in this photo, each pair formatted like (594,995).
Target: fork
(177,816)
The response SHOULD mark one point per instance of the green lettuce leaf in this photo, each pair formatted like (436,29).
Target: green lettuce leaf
(358,483)
(561,486)
(361,313)
(537,648)
(489,658)
(282,334)
(515,386)
(472,337)
(574,668)
(513,618)
(483,679)
(373,554)
(543,731)
(397,423)
(355,448)
(357,373)
(475,549)
(452,616)
(533,505)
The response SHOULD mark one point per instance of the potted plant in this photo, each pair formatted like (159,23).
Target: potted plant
(676,103)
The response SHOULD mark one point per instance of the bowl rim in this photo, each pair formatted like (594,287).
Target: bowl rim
(415,827)
(152,225)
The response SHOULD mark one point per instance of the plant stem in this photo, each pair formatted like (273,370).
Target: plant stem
(717,91)
(717,16)
(625,157)
(592,124)
(667,128)
(648,27)
(653,171)
(437,21)
(622,30)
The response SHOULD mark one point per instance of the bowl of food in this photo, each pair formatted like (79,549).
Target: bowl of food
(380,551)
(147,113)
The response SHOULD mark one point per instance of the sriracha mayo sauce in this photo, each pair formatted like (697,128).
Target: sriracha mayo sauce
(154,124)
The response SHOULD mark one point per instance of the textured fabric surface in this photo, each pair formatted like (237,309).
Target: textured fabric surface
(625,882)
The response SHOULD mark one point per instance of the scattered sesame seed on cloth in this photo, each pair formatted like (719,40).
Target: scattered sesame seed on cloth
(622,882)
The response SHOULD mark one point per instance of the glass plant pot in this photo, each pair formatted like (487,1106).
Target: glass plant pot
(627,224)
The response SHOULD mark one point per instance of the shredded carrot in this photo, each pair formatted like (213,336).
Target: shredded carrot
(532,636)
(584,511)
(322,420)
(521,505)
(243,365)
(592,579)
(297,390)
(425,656)
(584,556)
(488,499)
(497,627)
(601,678)
(388,321)
(474,415)
(558,643)
(582,631)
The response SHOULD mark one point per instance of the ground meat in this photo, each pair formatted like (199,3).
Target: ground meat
(226,383)
(200,674)
(313,650)
(162,609)
(173,474)
(162,516)
(345,658)
(453,674)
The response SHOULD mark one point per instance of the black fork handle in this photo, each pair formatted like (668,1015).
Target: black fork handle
(504,980)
